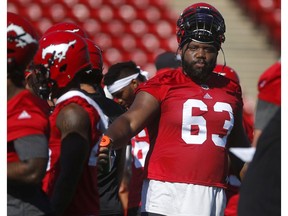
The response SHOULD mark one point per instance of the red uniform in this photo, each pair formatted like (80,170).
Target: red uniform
(140,148)
(27,114)
(269,84)
(86,198)
(194,124)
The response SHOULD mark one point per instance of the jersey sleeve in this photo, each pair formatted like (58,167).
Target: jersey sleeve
(27,118)
(157,85)
(37,124)
(269,85)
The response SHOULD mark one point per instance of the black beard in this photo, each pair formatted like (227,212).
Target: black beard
(199,75)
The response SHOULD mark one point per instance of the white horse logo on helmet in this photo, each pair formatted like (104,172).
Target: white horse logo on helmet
(22,38)
(60,50)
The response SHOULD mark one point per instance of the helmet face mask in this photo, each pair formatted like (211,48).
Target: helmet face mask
(201,23)
(42,84)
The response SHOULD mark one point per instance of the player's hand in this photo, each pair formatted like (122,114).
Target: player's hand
(103,158)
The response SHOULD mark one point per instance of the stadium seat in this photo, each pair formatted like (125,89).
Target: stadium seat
(139,4)
(57,12)
(105,13)
(94,3)
(127,42)
(150,42)
(138,28)
(127,13)
(92,26)
(81,12)
(104,40)
(113,55)
(116,27)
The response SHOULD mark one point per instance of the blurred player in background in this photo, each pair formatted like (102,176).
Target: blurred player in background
(121,80)
(269,98)
(167,60)
(27,126)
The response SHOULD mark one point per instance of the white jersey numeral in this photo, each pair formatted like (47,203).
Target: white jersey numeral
(49,160)
(140,150)
(228,125)
(188,120)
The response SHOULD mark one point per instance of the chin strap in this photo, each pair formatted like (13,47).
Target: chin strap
(224,63)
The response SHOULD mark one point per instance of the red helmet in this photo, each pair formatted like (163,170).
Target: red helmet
(60,56)
(227,71)
(95,53)
(201,22)
(94,76)
(22,42)
(68,27)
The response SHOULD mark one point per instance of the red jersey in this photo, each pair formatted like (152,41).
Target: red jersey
(269,84)
(140,148)
(27,114)
(195,121)
(86,198)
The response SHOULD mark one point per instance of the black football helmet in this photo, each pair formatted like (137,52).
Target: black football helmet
(202,23)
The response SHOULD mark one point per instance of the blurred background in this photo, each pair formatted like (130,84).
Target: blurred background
(139,30)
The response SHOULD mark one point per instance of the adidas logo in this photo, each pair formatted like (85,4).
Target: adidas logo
(207,96)
(24,115)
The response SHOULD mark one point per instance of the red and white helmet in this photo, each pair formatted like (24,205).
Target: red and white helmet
(61,55)
(96,60)
(227,71)
(68,27)
(202,23)
(22,42)
(95,53)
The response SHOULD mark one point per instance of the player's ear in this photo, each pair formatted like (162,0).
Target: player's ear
(134,83)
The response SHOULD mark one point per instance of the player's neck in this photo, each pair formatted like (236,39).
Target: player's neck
(88,88)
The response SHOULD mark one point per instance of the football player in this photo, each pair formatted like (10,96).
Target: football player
(76,124)
(90,84)
(121,80)
(197,115)
(269,98)
(27,125)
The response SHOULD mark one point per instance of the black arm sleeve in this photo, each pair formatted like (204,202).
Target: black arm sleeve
(74,150)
